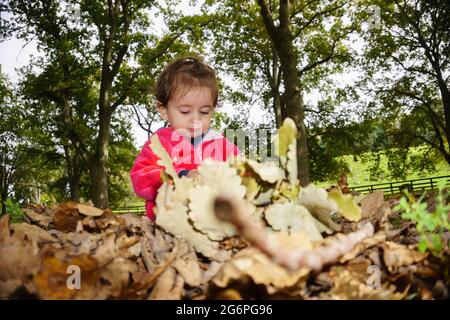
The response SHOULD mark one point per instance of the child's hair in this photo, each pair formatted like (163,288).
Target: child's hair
(189,71)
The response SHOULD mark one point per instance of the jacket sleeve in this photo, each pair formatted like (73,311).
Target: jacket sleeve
(146,174)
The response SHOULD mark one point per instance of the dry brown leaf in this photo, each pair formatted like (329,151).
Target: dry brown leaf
(371,203)
(33,232)
(19,256)
(352,285)
(8,287)
(89,211)
(41,220)
(252,263)
(176,222)
(363,246)
(118,273)
(51,280)
(107,251)
(66,216)
(187,265)
(397,255)
(168,287)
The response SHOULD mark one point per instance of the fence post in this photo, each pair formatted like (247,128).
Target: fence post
(431,181)
(392,189)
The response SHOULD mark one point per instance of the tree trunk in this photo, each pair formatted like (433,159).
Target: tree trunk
(4,190)
(282,40)
(99,170)
(3,200)
(445,94)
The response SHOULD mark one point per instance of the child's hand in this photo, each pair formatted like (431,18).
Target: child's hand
(193,174)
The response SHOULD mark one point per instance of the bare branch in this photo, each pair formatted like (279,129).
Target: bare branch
(230,210)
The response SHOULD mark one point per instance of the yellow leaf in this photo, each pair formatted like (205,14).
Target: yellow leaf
(286,135)
(346,204)
(291,165)
(164,158)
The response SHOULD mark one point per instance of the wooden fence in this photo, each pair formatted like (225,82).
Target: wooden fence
(416,185)
(131,209)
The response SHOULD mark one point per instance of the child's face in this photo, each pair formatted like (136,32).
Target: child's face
(189,109)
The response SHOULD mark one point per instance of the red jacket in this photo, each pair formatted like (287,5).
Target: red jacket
(145,173)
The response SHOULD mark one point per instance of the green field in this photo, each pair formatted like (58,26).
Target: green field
(360,175)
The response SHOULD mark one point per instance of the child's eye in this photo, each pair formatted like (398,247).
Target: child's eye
(205,112)
(184,112)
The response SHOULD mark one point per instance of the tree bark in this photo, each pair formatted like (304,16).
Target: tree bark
(4,194)
(99,171)
(445,94)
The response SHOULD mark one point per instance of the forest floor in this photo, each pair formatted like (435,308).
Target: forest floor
(129,257)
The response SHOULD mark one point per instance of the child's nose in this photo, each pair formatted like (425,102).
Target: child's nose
(197,117)
(197,124)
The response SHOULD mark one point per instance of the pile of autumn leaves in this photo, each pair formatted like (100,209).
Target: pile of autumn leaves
(191,254)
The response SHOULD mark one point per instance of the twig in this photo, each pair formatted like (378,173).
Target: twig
(230,210)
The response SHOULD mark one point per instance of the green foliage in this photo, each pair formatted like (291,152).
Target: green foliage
(16,214)
(429,224)
(412,46)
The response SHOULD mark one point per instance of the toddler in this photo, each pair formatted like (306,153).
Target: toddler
(186,94)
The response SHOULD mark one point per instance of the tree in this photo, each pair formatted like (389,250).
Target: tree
(279,51)
(106,47)
(16,165)
(412,46)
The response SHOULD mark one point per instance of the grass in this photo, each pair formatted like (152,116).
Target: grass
(360,174)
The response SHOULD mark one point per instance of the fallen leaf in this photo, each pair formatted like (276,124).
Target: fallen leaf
(371,203)
(291,164)
(257,266)
(202,214)
(89,211)
(189,269)
(269,172)
(164,159)
(33,232)
(176,222)
(352,285)
(19,256)
(397,255)
(376,239)
(168,287)
(346,204)
(317,202)
(292,218)
(285,136)
(221,177)
(41,220)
